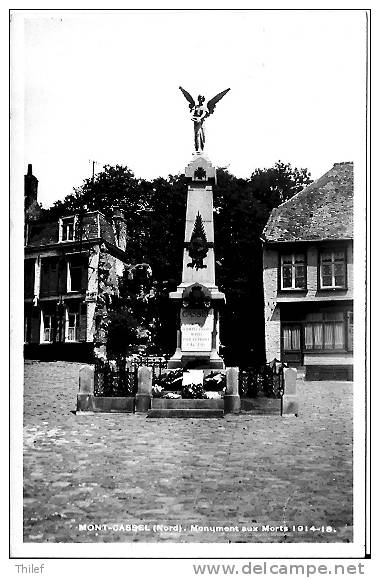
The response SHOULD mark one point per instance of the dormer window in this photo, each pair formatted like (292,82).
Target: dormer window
(67,229)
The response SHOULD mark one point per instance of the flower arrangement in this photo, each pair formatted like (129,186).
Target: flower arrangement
(172,395)
(193,391)
(215,381)
(158,391)
(170,380)
(169,385)
(213,395)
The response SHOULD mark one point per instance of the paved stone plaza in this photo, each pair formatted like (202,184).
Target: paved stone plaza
(238,471)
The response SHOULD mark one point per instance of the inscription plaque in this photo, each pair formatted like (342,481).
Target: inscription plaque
(196,329)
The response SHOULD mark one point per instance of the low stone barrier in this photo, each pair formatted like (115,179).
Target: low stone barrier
(88,403)
(162,403)
(261,405)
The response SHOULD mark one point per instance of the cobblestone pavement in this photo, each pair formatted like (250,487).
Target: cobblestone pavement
(237,471)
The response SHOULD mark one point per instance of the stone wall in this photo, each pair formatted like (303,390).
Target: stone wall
(108,287)
(271,310)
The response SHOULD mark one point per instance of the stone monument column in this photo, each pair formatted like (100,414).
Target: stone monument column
(197,297)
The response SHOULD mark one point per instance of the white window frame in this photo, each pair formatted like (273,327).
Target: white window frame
(293,264)
(76,326)
(61,225)
(42,329)
(333,253)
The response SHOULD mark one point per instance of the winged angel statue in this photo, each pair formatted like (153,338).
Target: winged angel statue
(199,113)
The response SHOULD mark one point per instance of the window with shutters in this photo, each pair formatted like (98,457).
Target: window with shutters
(49,276)
(332,269)
(27,327)
(29,266)
(293,272)
(76,274)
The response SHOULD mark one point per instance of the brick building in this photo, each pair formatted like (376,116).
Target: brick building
(308,277)
(70,265)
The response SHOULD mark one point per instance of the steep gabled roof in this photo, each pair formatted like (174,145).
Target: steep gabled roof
(323,210)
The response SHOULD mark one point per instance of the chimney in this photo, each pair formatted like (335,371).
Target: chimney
(30,188)
(120,228)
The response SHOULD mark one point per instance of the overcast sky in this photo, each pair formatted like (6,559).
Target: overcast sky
(103,86)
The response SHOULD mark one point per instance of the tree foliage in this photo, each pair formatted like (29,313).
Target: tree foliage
(155,215)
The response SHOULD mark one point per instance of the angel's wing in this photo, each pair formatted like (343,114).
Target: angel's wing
(211,103)
(188,97)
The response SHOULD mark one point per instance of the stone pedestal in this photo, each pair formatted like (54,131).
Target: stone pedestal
(290,398)
(232,397)
(197,298)
(144,389)
(86,389)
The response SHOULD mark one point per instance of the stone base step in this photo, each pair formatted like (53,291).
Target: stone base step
(259,411)
(162,403)
(186,413)
(261,406)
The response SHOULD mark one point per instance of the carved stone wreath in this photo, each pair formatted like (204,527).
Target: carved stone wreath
(198,245)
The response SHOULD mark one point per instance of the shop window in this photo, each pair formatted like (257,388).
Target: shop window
(324,331)
(293,271)
(350,330)
(291,338)
(332,270)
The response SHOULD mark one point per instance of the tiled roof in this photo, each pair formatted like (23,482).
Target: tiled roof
(323,210)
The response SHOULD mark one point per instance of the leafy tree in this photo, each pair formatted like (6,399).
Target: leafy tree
(130,316)
(115,186)
(155,214)
(242,209)
(278,184)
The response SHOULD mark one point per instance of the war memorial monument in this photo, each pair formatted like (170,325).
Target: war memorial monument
(198,303)
(198,298)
